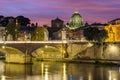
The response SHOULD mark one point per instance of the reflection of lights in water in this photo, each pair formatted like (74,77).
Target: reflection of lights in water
(81,78)
(42,69)
(71,77)
(119,70)
(46,73)
(64,71)
(42,66)
(3,77)
(90,76)
(2,65)
(110,75)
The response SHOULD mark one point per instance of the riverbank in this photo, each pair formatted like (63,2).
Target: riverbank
(67,60)
(88,61)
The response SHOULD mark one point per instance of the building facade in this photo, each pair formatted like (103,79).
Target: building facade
(57,23)
(113,29)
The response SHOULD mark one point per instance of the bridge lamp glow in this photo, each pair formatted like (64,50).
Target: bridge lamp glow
(46,46)
(90,44)
(3,77)
(42,51)
(113,48)
(3,47)
(64,51)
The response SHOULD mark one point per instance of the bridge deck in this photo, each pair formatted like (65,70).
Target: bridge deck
(53,41)
(33,42)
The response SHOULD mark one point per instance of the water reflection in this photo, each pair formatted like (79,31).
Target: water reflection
(2,77)
(58,71)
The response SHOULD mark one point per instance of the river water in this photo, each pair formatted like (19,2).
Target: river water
(58,71)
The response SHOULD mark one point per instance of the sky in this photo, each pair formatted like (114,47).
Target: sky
(43,11)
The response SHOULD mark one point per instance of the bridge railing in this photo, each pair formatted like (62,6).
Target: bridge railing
(60,41)
(55,41)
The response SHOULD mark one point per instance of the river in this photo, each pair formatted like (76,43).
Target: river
(58,71)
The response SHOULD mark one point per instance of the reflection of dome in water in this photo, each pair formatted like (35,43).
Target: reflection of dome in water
(76,20)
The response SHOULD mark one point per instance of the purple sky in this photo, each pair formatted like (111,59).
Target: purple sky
(43,11)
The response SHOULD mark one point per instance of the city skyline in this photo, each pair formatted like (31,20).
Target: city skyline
(43,11)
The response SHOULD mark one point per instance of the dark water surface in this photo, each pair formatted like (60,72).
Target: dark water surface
(58,71)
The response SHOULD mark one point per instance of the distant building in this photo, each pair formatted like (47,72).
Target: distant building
(115,21)
(57,23)
(75,28)
(98,25)
(113,29)
(76,21)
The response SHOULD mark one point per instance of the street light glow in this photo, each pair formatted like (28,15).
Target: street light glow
(113,48)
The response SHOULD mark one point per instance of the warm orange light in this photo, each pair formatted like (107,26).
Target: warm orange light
(113,33)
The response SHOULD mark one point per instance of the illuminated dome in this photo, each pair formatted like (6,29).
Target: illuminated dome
(75,21)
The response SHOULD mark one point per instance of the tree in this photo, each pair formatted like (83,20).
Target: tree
(38,34)
(23,21)
(90,33)
(1,16)
(93,33)
(102,35)
(12,29)
(6,20)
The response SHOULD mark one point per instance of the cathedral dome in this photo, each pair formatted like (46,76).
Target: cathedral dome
(75,21)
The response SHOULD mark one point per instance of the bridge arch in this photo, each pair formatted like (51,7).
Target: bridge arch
(10,50)
(49,51)
(13,55)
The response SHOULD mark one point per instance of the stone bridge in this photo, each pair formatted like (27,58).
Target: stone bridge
(25,51)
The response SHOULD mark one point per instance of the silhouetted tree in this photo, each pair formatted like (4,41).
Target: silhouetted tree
(102,35)
(23,21)
(1,16)
(90,33)
(12,29)
(93,33)
(6,20)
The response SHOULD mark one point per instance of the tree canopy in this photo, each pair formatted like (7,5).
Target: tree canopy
(93,33)
(12,29)
(38,34)
(23,20)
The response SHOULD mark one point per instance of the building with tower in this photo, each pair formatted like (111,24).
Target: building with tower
(57,23)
